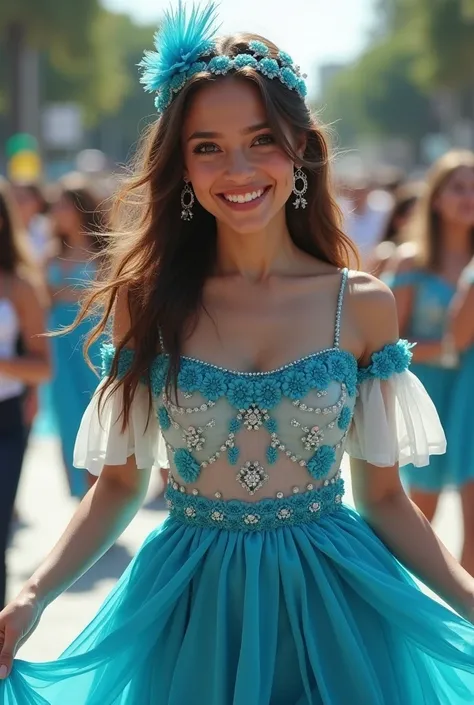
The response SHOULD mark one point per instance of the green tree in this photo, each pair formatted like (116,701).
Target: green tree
(377,95)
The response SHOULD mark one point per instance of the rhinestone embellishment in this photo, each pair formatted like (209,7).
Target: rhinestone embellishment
(312,438)
(253,417)
(190,512)
(314,507)
(251,518)
(252,476)
(284,513)
(217,516)
(194,438)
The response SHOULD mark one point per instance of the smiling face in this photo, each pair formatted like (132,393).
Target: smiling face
(455,200)
(238,171)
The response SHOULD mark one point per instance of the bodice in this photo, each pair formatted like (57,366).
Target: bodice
(256,435)
(432,298)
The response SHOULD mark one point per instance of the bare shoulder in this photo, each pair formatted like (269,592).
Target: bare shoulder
(24,290)
(405,258)
(373,311)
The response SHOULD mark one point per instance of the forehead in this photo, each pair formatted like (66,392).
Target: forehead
(225,106)
(461,174)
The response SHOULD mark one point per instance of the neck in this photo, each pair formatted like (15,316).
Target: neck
(456,239)
(255,255)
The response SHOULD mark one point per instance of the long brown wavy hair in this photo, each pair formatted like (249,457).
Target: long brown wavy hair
(162,262)
(425,229)
(15,256)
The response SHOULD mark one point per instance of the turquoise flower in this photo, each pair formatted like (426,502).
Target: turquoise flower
(158,372)
(206,48)
(164,418)
(272,455)
(177,82)
(295,384)
(214,385)
(233,455)
(338,366)
(317,374)
(220,65)
(344,418)
(197,67)
(242,60)
(187,466)
(189,377)
(321,462)
(235,425)
(285,58)
(288,77)
(108,353)
(301,87)
(240,393)
(271,425)
(268,392)
(269,68)
(163,98)
(392,359)
(258,48)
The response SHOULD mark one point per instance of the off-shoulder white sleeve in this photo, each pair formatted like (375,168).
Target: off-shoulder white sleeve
(100,440)
(395,421)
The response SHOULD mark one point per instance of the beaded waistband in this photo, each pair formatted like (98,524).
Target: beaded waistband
(236,515)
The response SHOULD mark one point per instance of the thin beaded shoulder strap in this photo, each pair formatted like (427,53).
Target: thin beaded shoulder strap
(340,300)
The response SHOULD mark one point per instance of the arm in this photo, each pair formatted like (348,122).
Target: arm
(102,516)
(461,323)
(34,366)
(379,495)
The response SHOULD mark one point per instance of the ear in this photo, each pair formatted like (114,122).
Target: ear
(300,147)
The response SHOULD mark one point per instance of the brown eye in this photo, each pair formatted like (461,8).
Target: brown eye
(205,148)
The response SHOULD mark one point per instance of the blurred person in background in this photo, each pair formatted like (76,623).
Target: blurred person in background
(77,226)
(405,198)
(461,417)
(424,284)
(21,314)
(365,210)
(33,208)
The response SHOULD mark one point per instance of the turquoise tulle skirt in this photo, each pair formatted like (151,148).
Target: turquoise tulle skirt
(316,612)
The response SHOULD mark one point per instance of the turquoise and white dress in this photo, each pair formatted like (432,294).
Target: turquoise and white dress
(432,296)
(461,417)
(262,587)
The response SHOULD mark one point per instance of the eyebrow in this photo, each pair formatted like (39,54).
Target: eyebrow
(216,135)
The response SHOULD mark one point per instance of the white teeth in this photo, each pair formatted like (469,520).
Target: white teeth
(243,197)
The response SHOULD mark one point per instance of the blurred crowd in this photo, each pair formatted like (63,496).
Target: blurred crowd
(416,235)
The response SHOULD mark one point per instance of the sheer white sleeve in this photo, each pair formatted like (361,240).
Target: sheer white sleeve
(395,421)
(100,440)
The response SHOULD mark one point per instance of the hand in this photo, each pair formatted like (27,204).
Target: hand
(18,621)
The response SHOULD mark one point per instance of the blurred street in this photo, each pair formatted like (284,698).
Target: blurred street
(45,507)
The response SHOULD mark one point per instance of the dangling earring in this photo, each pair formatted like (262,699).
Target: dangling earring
(187,202)
(300,191)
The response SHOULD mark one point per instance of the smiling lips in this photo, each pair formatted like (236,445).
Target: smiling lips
(244,200)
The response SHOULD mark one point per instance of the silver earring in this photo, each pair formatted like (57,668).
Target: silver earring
(187,202)
(299,191)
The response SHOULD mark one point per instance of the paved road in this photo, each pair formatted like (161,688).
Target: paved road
(45,508)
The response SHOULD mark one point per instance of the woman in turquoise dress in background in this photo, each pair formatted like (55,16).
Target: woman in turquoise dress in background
(461,418)
(76,221)
(242,341)
(424,283)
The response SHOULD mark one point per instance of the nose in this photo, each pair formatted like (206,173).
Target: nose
(239,168)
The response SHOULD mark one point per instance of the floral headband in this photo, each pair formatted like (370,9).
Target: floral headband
(185,47)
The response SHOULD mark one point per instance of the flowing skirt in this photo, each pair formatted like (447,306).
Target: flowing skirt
(313,612)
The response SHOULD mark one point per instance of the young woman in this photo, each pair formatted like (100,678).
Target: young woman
(424,287)
(461,417)
(238,326)
(75,217)
(21,315)
(405,199)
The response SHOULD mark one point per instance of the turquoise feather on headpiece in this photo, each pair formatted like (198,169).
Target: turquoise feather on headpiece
(182,40)
(179,42)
